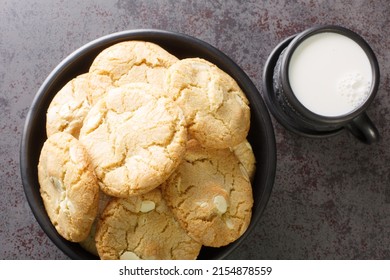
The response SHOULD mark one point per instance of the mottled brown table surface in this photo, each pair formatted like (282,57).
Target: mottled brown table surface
(331,197)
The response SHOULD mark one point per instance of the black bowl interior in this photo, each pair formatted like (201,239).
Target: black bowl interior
(261,135)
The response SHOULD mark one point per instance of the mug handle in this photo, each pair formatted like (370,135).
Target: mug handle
(364,129)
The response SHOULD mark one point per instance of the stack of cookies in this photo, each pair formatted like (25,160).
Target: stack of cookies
(147,157)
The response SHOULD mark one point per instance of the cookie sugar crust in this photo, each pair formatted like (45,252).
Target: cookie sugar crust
(210,195)
(142,227)
(72,102)
(133,61)
(216,109)
(136,138)
(68,186)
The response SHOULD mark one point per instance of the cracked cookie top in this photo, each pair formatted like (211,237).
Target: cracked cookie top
(68,186)
(133,61)
(216,109)
(71,104)
(210,195)
(135,137)
(142,227)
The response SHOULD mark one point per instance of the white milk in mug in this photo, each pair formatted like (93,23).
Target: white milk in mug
(330,74)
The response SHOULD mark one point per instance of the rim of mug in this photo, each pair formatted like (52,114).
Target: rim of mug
(299,38)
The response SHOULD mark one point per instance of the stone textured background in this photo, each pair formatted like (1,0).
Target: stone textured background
(331,198)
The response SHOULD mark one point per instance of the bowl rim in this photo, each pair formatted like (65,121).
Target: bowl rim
(146,34)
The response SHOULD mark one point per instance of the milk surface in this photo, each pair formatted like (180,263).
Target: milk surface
(330,74)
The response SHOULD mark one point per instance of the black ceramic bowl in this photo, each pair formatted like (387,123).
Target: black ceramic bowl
(261,135)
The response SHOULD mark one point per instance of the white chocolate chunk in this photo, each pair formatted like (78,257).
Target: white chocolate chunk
(129,256)
(220,203)
(239,100)
(67,205)
(57,184)
(202,204)
(229,224)
(147,205)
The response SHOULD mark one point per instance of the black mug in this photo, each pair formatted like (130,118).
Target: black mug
(310,116)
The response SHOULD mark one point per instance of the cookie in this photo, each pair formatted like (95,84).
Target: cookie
(135,137)
(133,61)
(216,109)
(210,195)
(245,155)
(68,186)
(71,104)
(142,227)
